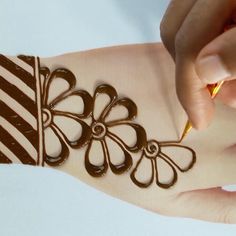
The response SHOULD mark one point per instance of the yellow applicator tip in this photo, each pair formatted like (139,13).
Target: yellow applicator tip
(187,128)
(213,89)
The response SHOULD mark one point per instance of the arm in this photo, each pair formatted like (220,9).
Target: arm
(144,74)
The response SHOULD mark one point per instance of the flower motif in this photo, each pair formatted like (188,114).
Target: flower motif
(101,134)
(154,152)
(58,119)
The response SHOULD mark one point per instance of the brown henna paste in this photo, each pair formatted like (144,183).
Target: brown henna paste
(153,151)
(26,114)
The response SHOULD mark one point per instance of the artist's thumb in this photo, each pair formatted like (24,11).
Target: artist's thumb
(217,60)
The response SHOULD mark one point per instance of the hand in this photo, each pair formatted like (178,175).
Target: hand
(145,74)
(192,31)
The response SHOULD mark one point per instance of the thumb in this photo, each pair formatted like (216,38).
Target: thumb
(217,60)
(214,205)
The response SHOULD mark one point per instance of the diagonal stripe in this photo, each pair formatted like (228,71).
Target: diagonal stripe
(22,64)
(21,111)
(15,155)
(30,60)
(11,78)
(19,96)
(3,158)
(19,72)
(9,154)
(17,142)
(12,117)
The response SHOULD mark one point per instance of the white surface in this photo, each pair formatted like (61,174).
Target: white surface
(52,27)
(36,201)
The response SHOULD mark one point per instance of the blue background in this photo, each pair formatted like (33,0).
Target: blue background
(37,201)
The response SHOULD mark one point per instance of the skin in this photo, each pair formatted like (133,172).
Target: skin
(145,73)
(192,31)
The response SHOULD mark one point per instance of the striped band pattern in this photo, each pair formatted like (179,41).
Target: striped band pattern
(19,135)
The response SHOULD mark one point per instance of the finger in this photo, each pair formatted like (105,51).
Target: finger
(217,61)
(193,95)
(205,22)
(207,25)
(172,21)
(227,93)
(215,205)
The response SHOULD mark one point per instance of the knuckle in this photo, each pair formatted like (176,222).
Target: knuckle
(181,45)
(186,45)
(226,213)
(163,29)
(166,35)
(225,216)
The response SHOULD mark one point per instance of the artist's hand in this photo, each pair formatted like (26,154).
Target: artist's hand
(192,31)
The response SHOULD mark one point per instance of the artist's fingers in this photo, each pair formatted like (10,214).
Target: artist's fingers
(215,205)
(217,61)
(193,95)
(172,21)
(205,22)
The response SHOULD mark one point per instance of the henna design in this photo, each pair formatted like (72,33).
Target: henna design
(19,133)
(152,152)
(100,131)
(50,111)
(28,114)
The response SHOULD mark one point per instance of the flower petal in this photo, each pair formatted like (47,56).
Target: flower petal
(57,85)
(123,109)
(75,131)
(140,140)
(166,175)
(119,159)
(78,103)
(96,170)
(44,77)
(109,91)
(143,173)
(55,149)
(182,157)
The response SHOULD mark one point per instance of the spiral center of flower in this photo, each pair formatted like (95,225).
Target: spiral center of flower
(99,130)
(152,149)
(47,117)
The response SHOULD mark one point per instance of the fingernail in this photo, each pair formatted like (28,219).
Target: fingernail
(211,69)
